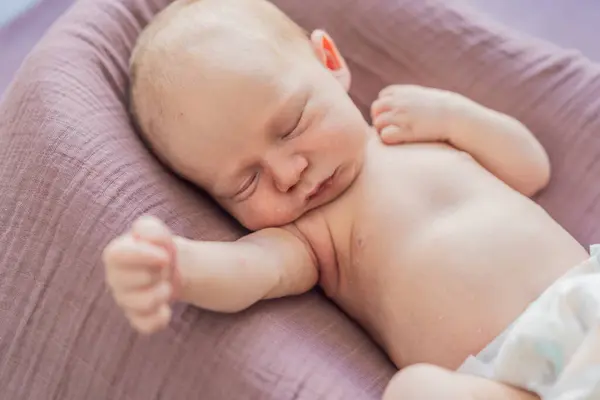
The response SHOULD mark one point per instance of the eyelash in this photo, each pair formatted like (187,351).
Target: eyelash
(255,177)
(287,135)
(247,185)
(295,128)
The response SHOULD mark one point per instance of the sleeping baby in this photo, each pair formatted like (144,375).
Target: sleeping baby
(420,227)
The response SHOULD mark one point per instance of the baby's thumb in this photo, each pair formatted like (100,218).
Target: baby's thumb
(392,134)
(154,231)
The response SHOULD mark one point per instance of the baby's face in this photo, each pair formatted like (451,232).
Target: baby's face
(268,141)
(268,131)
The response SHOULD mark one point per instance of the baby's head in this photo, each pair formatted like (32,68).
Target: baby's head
(236,98)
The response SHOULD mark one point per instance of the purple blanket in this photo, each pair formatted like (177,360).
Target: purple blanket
(73,174)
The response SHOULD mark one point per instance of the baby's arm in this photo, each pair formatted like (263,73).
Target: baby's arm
(148,267)
(500,143)
(231,276)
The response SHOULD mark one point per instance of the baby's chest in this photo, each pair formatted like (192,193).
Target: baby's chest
(360,250)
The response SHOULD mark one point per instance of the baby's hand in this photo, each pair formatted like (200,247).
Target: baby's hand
(409,113)
(140,271)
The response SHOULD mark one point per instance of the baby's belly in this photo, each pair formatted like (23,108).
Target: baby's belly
(453,285)
(443,286)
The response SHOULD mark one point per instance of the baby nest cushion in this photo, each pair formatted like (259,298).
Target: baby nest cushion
(74,174)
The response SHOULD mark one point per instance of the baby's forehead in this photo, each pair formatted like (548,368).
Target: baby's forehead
(241,43)
(212,18)
(225,39)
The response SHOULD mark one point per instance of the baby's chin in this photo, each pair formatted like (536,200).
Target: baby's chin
(270,220)
(278,220)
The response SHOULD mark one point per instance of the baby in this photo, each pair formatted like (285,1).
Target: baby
(432,244)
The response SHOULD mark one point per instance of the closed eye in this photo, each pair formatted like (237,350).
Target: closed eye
(247,188)
(294,131)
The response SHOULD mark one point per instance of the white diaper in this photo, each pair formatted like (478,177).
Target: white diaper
(533,351)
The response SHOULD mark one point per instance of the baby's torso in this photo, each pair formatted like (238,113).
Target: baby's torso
(432,254)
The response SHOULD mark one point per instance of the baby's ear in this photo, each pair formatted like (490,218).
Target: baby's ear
(331,58)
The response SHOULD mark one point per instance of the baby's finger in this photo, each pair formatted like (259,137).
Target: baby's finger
(147,324)
(130,278)
(152,230)
(380,106)
(393,134)
(128,252)
(144,301)
(389,118)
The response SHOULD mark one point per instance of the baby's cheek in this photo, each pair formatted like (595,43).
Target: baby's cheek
(262,213)
(276,213)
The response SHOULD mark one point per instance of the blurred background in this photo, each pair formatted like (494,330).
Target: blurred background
(11,9)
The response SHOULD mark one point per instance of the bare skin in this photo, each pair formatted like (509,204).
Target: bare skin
(416,234)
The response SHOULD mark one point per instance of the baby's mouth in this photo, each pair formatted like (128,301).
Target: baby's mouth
(320,188)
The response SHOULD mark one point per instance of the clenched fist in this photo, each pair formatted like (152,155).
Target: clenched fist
(141,272)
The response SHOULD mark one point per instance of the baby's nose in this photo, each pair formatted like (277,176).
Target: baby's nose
(288,172)
(284,185)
